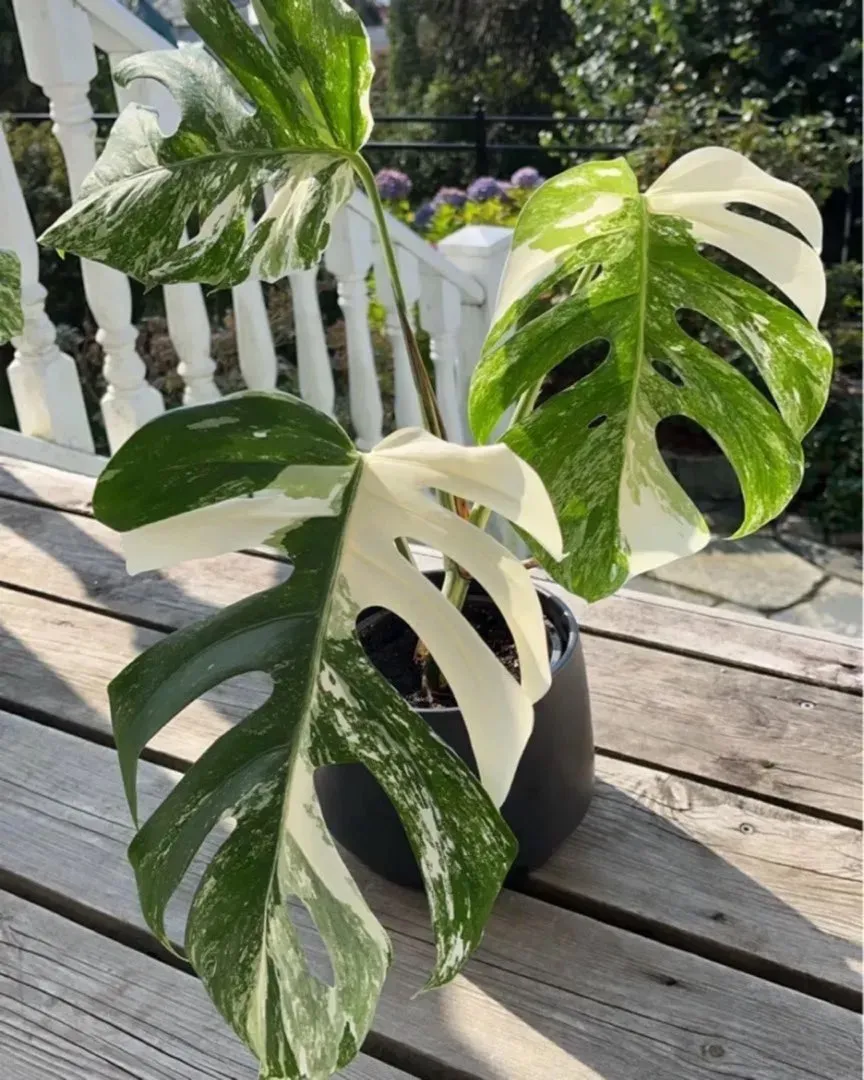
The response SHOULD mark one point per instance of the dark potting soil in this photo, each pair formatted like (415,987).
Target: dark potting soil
(390,643)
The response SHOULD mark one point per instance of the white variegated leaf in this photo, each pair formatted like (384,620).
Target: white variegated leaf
(594,260)
(287,112)
(11,315)
(265,468)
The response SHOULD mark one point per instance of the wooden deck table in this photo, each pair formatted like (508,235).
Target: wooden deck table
(704,921)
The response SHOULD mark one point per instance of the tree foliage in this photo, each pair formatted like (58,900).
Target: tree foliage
(446,51)
(795,57)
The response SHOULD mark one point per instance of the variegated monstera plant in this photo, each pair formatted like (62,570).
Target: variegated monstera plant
(593,260)
(11,316)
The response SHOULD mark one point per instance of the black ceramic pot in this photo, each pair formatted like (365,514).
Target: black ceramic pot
(551,789)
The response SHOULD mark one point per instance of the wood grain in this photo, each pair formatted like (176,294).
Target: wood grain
(550,994)
(76,1005)
(758,733)
(761,734)
(800,918)
(76,558)
(28,479)
(728,875)
(807,656)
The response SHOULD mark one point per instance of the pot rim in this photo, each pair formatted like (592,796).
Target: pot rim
(568,626)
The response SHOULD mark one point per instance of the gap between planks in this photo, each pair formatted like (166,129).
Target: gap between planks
(85,1006)
(550,993)
(757,695)
(759,646)
(721,897)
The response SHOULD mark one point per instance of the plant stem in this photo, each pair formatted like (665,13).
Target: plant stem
(428,403)
(455,584)
(429,410)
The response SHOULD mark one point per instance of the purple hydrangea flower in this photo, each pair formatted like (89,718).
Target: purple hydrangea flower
(450,196)
(392,184)
(423,215)
(526,177)
(485,188)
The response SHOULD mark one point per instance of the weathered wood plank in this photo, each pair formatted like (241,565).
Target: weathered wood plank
(29,479)
(733,872)
(762,734)
(742,878)
(765,735)
(76,1005)
(76,558)
(550,993)
(809,657)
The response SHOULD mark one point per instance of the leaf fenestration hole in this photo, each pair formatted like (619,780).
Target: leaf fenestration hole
(573,368)
(598,421)
(713,336)
(703,471)
(309,937)
(670,374)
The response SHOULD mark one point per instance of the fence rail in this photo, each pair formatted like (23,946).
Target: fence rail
(841,212)
(480,121)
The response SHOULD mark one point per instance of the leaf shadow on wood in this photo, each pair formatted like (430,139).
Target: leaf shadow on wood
(66,560)
(554,992)
(583,998)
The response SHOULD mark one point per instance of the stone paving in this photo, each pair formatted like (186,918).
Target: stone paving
(783,573)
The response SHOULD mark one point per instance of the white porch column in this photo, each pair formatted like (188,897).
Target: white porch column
(185,310)
(479,250)
(314,372)
(407,403)
(44,381)
(349,258)
(60,57)
(441,315)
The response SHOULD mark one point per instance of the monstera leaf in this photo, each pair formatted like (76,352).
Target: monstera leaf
(11,316)
(595,260)
(288,112)
(266,467)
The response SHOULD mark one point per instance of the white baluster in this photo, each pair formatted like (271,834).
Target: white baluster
(185,309)
(313,358)
(255,350)
(407,404)
(441,315)
(349,258)
(59,55)
(189,329)
(44,381)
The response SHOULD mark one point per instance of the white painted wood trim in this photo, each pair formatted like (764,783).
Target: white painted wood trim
(28,448)
(470,288)
(116,28)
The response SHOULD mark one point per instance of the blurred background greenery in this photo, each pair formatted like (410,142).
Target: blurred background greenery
(778,80)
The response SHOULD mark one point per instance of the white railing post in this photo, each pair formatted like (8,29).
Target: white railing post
(407,404)
(441,316)
(44,381)
(185,310)
(60,57)
(256,354)
(313,357)
(481,251)
(349,258)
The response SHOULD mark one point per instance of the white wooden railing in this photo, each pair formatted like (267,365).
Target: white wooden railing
(452,287)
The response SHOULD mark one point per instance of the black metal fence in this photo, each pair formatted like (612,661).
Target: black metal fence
(842,212)
(483,126)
